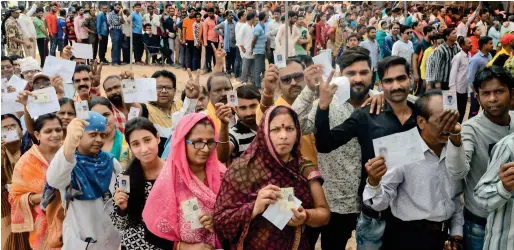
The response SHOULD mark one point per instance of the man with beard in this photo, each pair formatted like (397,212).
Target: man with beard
(291,80)
(113,91)
(341,168)
(116,21)
(417,58)
(397,116)
(374,52)
(234,142)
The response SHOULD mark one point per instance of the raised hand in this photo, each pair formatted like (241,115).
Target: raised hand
(223,112)
(376,169)
(96,74)
(23,97)
(193,85)
(313,74)
(74,133)
(326,92)
(266,196)
(220,55)
(121,199)
(207,222)
(271,79)
(57,82)
(127,74)
(67,53)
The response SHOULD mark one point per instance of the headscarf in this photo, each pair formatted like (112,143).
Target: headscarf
(257,167)
(91,175)
(28,63)
(379,25)
(177,183)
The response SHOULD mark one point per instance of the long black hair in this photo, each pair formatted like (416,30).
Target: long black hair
(137,197)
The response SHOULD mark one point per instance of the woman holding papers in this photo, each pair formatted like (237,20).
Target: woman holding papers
(10,155)
(254,181)
(142,173)
(114,140)
(28,181)
(181,204)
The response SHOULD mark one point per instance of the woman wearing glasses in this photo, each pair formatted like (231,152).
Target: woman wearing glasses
(181,204)
(254,181)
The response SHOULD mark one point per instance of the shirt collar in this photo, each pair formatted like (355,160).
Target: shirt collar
(387,107)
(425,148)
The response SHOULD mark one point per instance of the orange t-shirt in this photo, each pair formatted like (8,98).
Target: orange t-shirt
(188,25)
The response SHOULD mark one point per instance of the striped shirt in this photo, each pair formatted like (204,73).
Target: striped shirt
(240,136)
(260,45)
(114,21)
(439,70)
(492,195)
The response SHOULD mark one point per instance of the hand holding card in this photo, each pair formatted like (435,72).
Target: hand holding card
(280,61)
(82,110)
(232,98)
(125,183)
(133,113)
(450,99)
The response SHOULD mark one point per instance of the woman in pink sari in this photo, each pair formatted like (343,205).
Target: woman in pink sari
(181,204)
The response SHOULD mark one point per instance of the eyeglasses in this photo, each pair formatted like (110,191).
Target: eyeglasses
(286,80)
(201,145)
(167,88)
(408,33)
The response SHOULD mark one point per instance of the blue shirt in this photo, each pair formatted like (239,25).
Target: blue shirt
(260,45)
(478,61)
(61,24)
(137,23)
(388,45)
(101,24)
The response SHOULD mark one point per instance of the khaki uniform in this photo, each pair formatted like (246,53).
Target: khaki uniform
(13,30)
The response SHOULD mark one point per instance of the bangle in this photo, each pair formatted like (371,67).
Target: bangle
(307,217)
(30,200)
(223,142)
(268,96)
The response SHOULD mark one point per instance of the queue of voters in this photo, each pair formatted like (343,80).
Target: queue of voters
(208,125)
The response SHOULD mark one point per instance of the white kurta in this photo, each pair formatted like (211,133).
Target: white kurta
(84,218)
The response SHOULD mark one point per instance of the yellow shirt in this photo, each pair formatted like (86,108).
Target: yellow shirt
(503,51)
(423,67)
(211,112)
(308,143)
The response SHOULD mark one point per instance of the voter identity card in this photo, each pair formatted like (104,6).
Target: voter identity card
(280,61)
(450,99)
(232,98)
(125,183)
(191,212)
(133,113)
(10,135)
(82,110)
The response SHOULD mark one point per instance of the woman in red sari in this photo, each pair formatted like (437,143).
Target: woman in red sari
(272,161)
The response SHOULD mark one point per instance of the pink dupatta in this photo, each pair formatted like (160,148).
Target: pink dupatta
(176,183)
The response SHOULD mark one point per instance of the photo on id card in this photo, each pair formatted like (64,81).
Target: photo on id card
(191,212)
(133,113)
(232,98)
(280,61)
(125,183)
(450,99)
(82,110)
(9,135)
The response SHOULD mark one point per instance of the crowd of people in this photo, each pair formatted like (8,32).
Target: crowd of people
(194,170)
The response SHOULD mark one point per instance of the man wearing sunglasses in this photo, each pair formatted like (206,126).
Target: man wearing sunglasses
(404,48)
(397,116)
(291,81)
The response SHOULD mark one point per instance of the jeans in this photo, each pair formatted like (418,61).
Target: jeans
(238,63)
(190,54)
(247,65)
(209,56)
(42,46)
(271,56)
(197,57)
(53,45)
(93,40)
(369,233)
(474,106)
(138,47)
(182,56)
(462,101)
(259,68)
(474,235)
(59,45)
(116,38)
(102,48)
(125,48)
(230,60)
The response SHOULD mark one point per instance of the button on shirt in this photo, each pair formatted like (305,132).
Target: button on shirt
(374,52)
(492,196)
(419,191)
(246,37)
(459,72)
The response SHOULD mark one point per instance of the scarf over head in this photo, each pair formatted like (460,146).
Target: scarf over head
(258,167)
(177,183)
(91,175)
(28,63)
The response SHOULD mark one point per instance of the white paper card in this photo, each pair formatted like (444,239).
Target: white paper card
(140,90)
(232,98)
(55,66)
(45,102)
(189,106)
(325,59)
(450,99)
(9,104)
(82,50)
(10,135)
(399,151)
(277,217)
(18,83)
(133,113)
(280,60)
(191,212)
(343,89)
(125,183)
(4,85)
(82,110)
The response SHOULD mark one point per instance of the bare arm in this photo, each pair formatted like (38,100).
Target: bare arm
(320,214)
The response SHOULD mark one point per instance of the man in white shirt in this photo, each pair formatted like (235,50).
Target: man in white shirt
(28,30)
(246,34)
(239,41)
(459,75)
(482,24)
(153,19)
(271,33)
(404,47)
(507,26)
(465,22)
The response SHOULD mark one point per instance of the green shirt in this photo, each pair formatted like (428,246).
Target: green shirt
(38,23)
(299,49)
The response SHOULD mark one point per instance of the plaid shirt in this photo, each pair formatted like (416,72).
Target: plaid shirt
(113,20)
(120,119)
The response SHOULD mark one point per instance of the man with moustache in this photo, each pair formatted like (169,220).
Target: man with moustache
(83,83)
(341,168)
(397,116)
(291,81)
(113,91)
(235,140)
(218,84)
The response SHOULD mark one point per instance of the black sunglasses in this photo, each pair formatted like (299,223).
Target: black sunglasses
(286,80)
